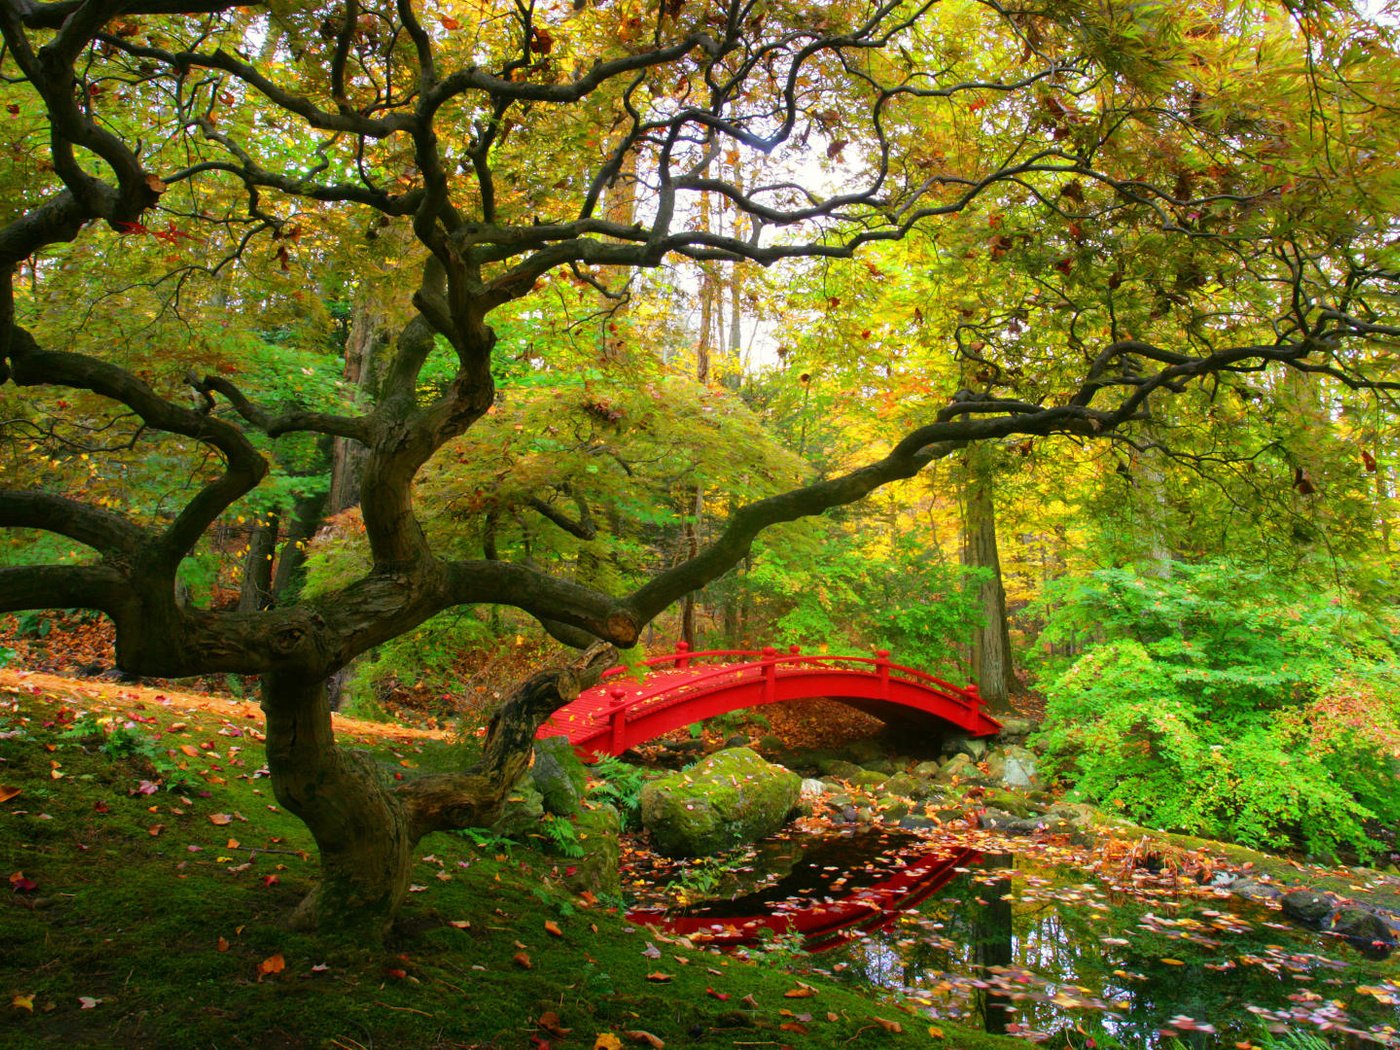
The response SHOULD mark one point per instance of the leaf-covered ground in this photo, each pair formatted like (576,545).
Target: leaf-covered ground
(148,895)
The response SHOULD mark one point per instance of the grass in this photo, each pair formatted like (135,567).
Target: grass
(145,920)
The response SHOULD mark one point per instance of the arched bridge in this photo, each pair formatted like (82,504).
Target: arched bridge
(685,687)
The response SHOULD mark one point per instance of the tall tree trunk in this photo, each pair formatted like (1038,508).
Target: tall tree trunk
(306,518)
(364,353)
(991,643)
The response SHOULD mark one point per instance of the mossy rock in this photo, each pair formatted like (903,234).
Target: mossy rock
(597,870)
(558,776)
(927,769)
(892,808)
(838,768)
(904,784)
(866,778)
(732,797)
(524,807)
(1011,802)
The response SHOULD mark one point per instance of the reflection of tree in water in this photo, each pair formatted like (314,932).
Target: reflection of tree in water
(1047,947)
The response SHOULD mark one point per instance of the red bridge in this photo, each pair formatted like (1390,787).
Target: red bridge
(685,687)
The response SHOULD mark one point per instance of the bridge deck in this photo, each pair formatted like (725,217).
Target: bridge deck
(683,687)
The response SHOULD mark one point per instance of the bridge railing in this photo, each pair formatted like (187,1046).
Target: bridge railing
(768,660)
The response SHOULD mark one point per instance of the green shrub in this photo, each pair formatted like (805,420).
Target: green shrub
(1226,702)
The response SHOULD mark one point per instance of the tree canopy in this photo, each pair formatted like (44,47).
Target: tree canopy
(1142,222)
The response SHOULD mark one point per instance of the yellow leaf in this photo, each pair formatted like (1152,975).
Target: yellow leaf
(23,1002)
(607,1041)
(935,1031)
(1173,962)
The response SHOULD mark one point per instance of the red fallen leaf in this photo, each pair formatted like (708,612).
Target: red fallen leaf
(539,1044)
(522,960)
(7,792)
(270,880)
(571,871)
(460,924)
(1366,458)
(793,1026)
(272,964)
(20,884)
(449,23)
(1065,265)
(396,974)
(721,996)
(222,945)
(100,807)
(155,829)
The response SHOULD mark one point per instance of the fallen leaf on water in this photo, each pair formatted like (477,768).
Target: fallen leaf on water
(552,927)
(639,1036)
(272,964)
(657,977)
(523,961)
(607,1041)
(23,1002)
(894,1027)
(550,1022)
(220,818)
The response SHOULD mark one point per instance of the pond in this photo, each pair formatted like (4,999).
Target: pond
(1032,943)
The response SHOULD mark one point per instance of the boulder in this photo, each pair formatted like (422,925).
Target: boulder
(812,789)
(1016,730)
(1253,890)
(1364,929)
(916,823)
(866,778)
(892,808)
(558,776)
(1306,906)
(973,747)
(880,765)
(738,740)
(597,870)
(520,816)
(730,798)
(1013,767)
(865,751)
(903,784)
(927,769)
(838,768)
(960,766)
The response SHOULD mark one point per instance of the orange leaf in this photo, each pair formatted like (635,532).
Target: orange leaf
(190,749)
(523,961)
(449,23)
(638,1036)
(222,945)
(7,792)
(272,964)
(658,977)
(793,1026)
(893,1027)
(802,991)
(460,924)
(550,926)
(550,1022)
(155,829)
(220,819)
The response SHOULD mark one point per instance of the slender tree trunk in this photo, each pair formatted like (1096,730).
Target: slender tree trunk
(256,591)
(364,351)
(991,644)
(306,518)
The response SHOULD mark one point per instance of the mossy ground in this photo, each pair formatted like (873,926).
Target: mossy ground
(152,923)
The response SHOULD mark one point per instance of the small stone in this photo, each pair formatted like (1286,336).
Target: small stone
(1306,906)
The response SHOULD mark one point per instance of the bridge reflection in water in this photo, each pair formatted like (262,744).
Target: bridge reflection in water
(837,889)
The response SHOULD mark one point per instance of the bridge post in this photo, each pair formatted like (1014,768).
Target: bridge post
(682,655)
(975,694)
(882,665)
(770,673)
(617,718)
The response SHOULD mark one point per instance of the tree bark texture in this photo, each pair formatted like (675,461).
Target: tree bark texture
(991,642)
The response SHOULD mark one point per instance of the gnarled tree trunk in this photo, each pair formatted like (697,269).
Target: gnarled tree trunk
(366,824)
